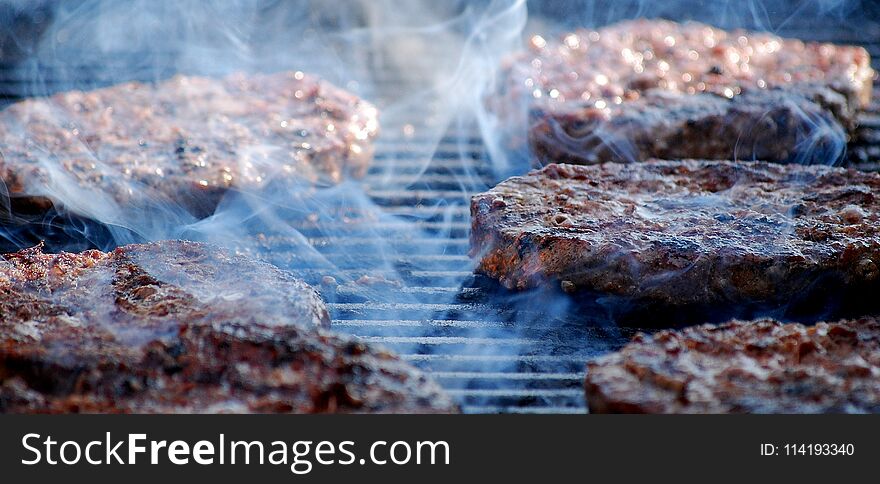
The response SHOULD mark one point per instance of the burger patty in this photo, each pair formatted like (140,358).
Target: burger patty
(182,327)
(658,89)
(184,141)
(680,233)
(759,366)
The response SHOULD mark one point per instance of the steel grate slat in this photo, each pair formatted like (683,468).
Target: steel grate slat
(519,409)
(464,375)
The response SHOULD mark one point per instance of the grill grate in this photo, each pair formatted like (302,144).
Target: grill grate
(493,351)
(490,351)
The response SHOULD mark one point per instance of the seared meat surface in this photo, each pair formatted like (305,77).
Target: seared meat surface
(678,233)
(183,327)
(759,366)
(658,89)
(184,141)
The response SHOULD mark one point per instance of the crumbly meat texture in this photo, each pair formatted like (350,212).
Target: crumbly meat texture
(659,89)
(679,233)
(185,141)
(180,327)
(759,366)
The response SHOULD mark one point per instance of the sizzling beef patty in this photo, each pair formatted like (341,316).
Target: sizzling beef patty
(759,366)
(186,140)
(683,232)
(181,327)
(658,89)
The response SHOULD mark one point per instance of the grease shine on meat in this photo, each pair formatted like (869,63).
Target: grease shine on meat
(658,89)
(184,141)
(180,327)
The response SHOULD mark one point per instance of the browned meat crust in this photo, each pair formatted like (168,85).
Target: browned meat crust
(658,89)
(759,366)
(186,140)
(180,327)
(683,232)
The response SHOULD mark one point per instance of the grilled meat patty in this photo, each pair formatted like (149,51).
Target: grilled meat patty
(182,327)
(185,141)
(678,233)
(759,366)
(658,89)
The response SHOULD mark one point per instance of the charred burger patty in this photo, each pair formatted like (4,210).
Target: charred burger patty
(683,232)
(185,141)
(759,366)
(182,327)
(658,89)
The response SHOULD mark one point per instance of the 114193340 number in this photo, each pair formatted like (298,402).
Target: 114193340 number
(818,449)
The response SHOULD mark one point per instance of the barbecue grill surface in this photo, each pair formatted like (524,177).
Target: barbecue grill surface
(491,350)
